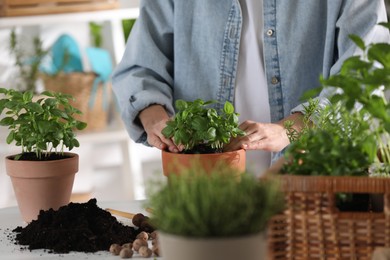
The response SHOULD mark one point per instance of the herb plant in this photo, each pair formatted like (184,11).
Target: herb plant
(216,204)
(39,126)
(356,125)
(197,125)
(362,79)
(341,143)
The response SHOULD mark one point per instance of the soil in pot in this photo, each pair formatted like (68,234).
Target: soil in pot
(33,157)
(81,227)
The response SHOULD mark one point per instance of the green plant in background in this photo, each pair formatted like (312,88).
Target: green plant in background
(27,63)
(357,123)
(362,79)
(39,126)
(96,34)
(216,204)
(340,144)
(127,25)
(198,126)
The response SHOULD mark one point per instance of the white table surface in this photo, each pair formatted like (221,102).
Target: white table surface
(10,219)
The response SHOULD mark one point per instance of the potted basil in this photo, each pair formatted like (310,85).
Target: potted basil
(42,174)
(203,131)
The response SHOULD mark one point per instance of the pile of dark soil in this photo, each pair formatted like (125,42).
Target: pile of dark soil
(82,227)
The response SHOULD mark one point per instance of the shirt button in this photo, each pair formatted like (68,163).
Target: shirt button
(270,32)
(274,80)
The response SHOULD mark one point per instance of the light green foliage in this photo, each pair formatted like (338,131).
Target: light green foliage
(28,64)
(39,126)
(220,204)
(340,144)
(198,122)
(346,139)
(96,34)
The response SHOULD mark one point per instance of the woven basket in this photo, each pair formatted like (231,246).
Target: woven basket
(312,227)
(79,85)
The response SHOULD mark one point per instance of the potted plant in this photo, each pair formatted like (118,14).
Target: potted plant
(213,215)
(43,173)
(203,131)
(28,63)
(331,162)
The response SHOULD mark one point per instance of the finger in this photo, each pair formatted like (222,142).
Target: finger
(172,147)
(155,141)
(256,145)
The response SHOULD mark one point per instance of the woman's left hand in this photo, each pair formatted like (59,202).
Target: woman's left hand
(260,136)
(265,136)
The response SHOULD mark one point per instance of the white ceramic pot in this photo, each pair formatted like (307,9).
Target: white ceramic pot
(251,247)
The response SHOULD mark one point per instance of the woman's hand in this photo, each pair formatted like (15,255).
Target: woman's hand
(260,136)
(154,119)
(264,136)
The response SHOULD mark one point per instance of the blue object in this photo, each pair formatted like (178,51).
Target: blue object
(101,64)
(65,55)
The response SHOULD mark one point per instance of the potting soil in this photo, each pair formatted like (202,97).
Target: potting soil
(81,227)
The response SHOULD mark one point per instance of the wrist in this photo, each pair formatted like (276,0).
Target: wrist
(152,114)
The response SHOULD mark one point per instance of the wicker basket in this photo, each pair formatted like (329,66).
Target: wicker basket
(79,85)
(312,227)
(39,7)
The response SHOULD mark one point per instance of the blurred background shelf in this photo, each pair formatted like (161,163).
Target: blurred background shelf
(112,166)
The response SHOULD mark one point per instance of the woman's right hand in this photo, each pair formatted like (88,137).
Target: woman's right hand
(154,119)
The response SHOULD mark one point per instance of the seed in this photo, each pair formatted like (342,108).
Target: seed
(115,249)
(127,245)
(126,253)
(144,251)
(154,234)
(138,243)
(143,235)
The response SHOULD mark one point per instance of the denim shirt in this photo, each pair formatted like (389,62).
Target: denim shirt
(188,49)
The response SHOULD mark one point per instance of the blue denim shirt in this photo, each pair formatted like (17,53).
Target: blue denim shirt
(188,49)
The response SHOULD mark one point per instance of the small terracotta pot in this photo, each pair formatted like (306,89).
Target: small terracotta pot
(251,247)
(174,163)
(41,185)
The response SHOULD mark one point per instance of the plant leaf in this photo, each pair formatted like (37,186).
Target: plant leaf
(358,41)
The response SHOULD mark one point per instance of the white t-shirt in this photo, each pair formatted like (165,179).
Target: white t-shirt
(251,93)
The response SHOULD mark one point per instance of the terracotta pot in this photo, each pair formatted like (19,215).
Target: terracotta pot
(41,185)
(251,247)
(177,162)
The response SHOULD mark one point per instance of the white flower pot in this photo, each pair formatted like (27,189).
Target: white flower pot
(251,247)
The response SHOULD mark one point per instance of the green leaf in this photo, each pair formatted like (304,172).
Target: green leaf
(385,24)
(199,124)
(358,41)
(7,121)
(211,133)
(228,108)
(10,137)
(168,131)
(34,107)
(380,52)
(180,104)
(81,125)
(42,145)
(2,105)
(47,93)
(27,96)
